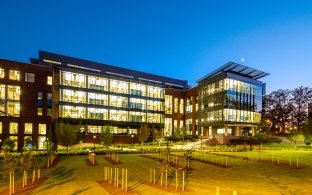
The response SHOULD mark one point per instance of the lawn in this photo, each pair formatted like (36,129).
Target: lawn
(244,174)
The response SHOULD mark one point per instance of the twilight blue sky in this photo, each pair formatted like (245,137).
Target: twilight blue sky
(176,38)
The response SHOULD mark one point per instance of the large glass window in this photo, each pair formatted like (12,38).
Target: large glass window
(41,140)
(137,116)
(98,113)
(72,111)
(119,86)
(2,92)
(118,101)
(154,118)
(155,105)
(29,77)
(137,89)
(49,100)
(73,79)
(28,128)
(136,103)
(2,74)
(42,130)
(73,96)
(168,104)
(155,92)
(98,99)
(13,128)
(0,127)
(14,75)
(97,83)
(118,115)
(14,138)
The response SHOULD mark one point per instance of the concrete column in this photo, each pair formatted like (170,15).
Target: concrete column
(226,129)
(237,131)
(253,131)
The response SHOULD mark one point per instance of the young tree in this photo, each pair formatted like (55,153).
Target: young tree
(307,133)
(8,166)
(65,135)
(106,136)
(180,133)
(8,145)
(295,137)
(26,164)
(29,144)
(143,133)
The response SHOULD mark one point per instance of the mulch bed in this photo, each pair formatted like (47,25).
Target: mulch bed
(53,165)
(89,163)
(157,159)
(112,161)
(27,189)
(168,189)
(113,189)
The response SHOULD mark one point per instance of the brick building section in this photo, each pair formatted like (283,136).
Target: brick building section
(28,100)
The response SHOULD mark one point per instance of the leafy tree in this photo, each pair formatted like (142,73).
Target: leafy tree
(301,96)
(106,136)
(65,134)
(307,133)
(8,145)
(180,133)
(143,133)
(295,137)
(8,166)
(29,144)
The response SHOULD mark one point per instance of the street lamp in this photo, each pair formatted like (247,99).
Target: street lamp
(132,140)
(94,137)
(250,141)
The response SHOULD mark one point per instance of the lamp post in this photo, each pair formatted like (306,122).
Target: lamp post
(250,141)
(94,137)
(132,140)
(201,140)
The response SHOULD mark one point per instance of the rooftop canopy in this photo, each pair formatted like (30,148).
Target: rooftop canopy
(238,69)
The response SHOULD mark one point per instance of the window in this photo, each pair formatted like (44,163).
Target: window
(14,92)
(168,127)
(168,104)
(28,128)
(49,112)
(49,100)
(0,127)
(13,128)
(49,80)
(13,109)
(176,105)
(14,75)
(41,140)
(181,106)
(29,77)
(1,73)
(42,129)
(2,92)
(39,112)
(40,96)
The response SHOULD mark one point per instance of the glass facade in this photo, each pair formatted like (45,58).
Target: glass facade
(84,96)
(230,100)
(10,100)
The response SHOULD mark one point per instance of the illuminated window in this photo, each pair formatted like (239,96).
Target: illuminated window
(39,111)
(42,129)
(98,113)
(41,140)
(176,105)
(154,118)
(28,128)
(137,116)
(119,86)
(2,109)
(98,99)
(2,92)
(49,80)
(14,139)
(13,109)
(40,97)
(118,101)
(0,127)
(168,127)
(14,75)
(29,77)
(137,89)
(14,92)
(168,104)
(2,73)
(181,106)
(118,115)
(73,96)
(13,128)
(175,124)
(72,111)
(49,112)
(49,100)
(73,79)
(97,83)
(155,92)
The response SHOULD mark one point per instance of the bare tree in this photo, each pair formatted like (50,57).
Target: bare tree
(301,96)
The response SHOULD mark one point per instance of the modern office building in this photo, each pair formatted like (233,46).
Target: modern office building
(90,95)
(230,101)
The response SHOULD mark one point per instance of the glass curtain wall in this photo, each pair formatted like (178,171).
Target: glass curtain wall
(94,97)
